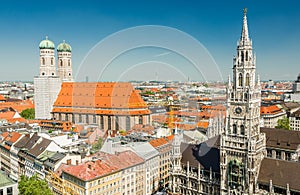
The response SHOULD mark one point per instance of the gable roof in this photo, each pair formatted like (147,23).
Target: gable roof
(90,170)
(207,154)
(281,138)
(280,172)
(99,95)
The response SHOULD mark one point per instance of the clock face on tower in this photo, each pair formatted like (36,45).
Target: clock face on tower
(238,110)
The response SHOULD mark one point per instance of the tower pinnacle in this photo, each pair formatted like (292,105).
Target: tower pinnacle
(245,40)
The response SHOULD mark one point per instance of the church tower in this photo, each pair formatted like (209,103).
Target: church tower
(64,52)
(47,85)
(47,58)
(242,145)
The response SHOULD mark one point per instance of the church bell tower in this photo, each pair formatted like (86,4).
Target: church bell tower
(242,145)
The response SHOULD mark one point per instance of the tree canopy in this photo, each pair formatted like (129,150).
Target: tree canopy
(283,123)
(33,186)
(28,113)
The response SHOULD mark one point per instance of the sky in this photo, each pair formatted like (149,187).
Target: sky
(150,40)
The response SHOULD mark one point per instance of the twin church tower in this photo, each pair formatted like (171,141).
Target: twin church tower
(48,83)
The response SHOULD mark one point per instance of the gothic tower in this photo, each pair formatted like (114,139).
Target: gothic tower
(242,144)
(47,84)
(64,52)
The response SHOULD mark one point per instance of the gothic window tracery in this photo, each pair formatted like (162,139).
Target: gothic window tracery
(234,128)
(240,79)
(247,79)
(242,130)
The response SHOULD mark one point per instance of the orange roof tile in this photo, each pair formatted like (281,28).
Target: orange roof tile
(203,124)
(91,170)
(2,98)
(273,109)
(99,95)
(7,115)
(158,142)
(18,106)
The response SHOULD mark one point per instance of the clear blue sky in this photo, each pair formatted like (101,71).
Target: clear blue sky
(274,27)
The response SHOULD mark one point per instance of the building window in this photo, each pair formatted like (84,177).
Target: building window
(61,62)
(87,119)
(242,56)
(242,130)
(278,154)
(117,122)
(102,122)
(247,79)
(240,79)
(51,61)
(246,96)
(288,156)
(234,129)
(1,192)
(127,123)
(140,119)
(43,61)
(269,153)
(69,63)
(246,55)
(9,191)
(109,122)
(94,119)
(80,118)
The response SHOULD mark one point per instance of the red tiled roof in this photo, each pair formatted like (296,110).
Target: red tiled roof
(18,106)
(158,142)
(273,109)
(10,137)
(91,170)
(2,98)
(99,95)
(203,124)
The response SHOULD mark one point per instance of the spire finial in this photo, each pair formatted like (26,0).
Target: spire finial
(64,41)
(46,37)
(245,11)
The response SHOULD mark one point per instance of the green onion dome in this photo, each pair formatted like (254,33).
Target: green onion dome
(46,44)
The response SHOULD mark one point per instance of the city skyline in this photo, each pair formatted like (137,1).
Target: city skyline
(214,24)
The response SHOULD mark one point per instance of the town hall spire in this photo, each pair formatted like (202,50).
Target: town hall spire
(245,40)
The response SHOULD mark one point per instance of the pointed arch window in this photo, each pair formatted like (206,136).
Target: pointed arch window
(234,128)
(247,79)
(51,61)
(43,61)
(69,62)
(246,55)
(240,79)
(61,62)
(242,56)
(242,130)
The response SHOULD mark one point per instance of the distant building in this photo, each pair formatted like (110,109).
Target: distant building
(7,186)
(296,90)
(270,114)
(295,120)
(296,85)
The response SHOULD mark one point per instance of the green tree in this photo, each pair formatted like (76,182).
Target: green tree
(283,123)
(33,186)
(98,144)
(28,113)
